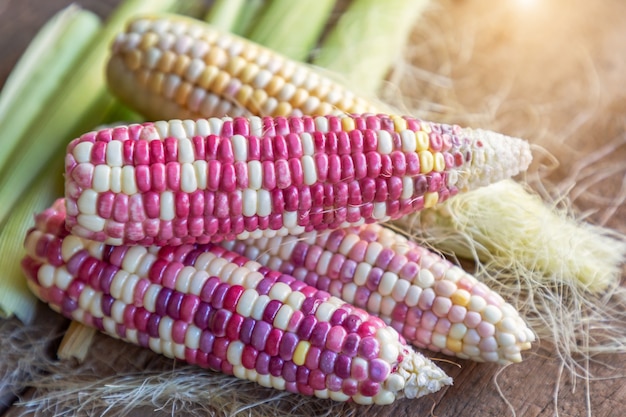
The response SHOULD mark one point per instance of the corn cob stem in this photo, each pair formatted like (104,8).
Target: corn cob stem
(434,304)
(217,309)
(214,179)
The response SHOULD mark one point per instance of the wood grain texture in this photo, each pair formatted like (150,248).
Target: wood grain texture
(547,76)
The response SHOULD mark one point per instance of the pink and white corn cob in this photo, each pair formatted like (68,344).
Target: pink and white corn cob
(433,303)
(215,308)
(177,182)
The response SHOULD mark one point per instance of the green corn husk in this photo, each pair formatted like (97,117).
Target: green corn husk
(15,297)
(81,107)
(224,14)
(292,28)
(247,16)
(40,72)
(367,39)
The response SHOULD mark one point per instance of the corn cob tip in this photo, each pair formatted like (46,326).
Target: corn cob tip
(495,157)
(421,376)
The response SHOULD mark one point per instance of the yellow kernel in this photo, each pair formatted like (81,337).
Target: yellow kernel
(207,77)
(143,76)
(299,354)
(283,109)
(274,85)
(298,97)
(423,141)
(248,73)
(235,65)
(454,345)
(216,57)
(155,82)
(148,40)
(399,123)
(430,199)
(259,97)
(324,108)
(439,162)
(460,297)
(133,59)
(182,93)
(426,127)
(427,162)
(181,64)
(166,62)
(220,82)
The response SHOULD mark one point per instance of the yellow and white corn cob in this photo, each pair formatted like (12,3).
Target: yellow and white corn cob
(232,178)
(434,304)
(169,67)
(215,308)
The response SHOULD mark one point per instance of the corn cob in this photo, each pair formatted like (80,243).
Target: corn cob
(176,182)
(215,308)
(171,67)
(434,304)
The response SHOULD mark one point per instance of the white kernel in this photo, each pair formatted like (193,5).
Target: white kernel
(255,175)
(114,154)
(322,263)
(279,291)
(87,202)
(71,244)
(338,396)
(45,275)
(110,326)
(170,85)
(246,302)
(290,219)
(101,178)
(308,146)
(283,247)
(283,317)
(240,147)
(309,170)
(253,277)
(262,78)
(409,142)
(115,182)
(384,397)
(234,352)
(128,291)
(380,212)
(387,283)
(472,351)
(457,331)
(385,142)
(185,146)
(387,304)
(133,257)
(310,105)
(249,199)
(176,129)
(401,289)
(192,337)
(425,279)
(150,297)
(264,203)
(204,260)
(395,382)
(96,305)
(62,278)
(188,178)
(117,284)
(506,339)
(82,152)
(117,311)
(183,280)
(200,169)
(167,206)
(471,337)
(129,183)
(476,303)
(216,126)
(256,126)
(362,399)
(373,250)
(91,222)
(259,307)
(407,188)
(439,340)
(194,70)
(492,314)
(198,280)
(325,311)
(389,352)
(295,299)
(361,273)
(348,292)
(165,328)
(278,383)
(321,124)
(373,303)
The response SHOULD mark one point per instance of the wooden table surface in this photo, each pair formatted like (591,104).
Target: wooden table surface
(552,73)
